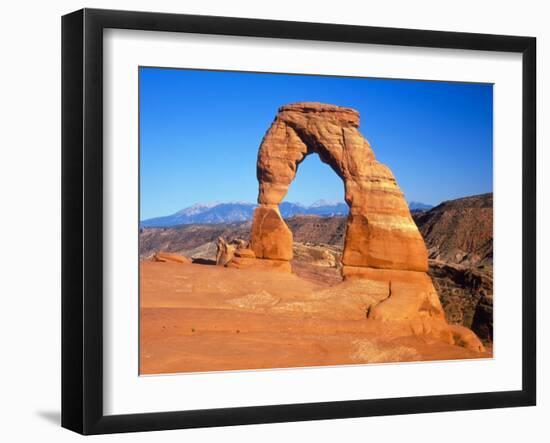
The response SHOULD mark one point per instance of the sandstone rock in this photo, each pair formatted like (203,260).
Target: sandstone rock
(369,351)
(245,253)
(169,257)
(209,318)
(259,264)
(348,300)
(382,244)
(380,230)
(410,298)
(466,338)
(270,238)
(261,301)
(225,251)
(240,243)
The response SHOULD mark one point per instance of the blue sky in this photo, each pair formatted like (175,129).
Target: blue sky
(200,132)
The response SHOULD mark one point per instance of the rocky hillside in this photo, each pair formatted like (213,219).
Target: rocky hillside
(466,294)
(185,239)
(318,230)
(459,231)
(459,237)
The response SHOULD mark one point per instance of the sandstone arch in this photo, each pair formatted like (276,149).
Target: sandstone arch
(380,232)
(385,260)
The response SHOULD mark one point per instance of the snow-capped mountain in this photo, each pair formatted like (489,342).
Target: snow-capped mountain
(229,212)
(197,208)
(205,213)
(417,207)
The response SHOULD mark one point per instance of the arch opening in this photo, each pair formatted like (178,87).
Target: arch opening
(315,212)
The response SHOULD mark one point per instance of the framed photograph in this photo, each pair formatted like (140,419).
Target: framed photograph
(269,221)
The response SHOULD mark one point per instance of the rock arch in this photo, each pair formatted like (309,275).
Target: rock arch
(385,260)
(380,233)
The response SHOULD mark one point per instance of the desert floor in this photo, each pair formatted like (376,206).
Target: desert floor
(208,318)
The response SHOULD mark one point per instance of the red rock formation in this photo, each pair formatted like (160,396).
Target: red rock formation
(380,230)
(382,242)
(271,238)
(170,257)
(237,254)
(226,251)
(264,264)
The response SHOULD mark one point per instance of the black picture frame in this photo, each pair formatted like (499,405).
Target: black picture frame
(82,217)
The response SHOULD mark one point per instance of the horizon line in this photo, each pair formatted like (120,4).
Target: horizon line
(212,204)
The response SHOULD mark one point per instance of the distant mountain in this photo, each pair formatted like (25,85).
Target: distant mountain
(326,208)
(231,212)
(290,209)
(197,208)
(204,213)
(211,213)
(417,206)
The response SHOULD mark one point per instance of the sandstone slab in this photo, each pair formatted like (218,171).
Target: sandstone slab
(260,264)
(245,253)
(170,257)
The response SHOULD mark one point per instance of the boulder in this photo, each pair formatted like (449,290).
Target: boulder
(170,257)
(225,251)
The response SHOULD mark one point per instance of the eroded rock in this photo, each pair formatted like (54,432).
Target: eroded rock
(271,238)
(382,244)
(380,231)
(227,250)
(170,257)
(259,264)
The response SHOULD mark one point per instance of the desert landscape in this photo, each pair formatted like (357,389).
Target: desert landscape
(232,286)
